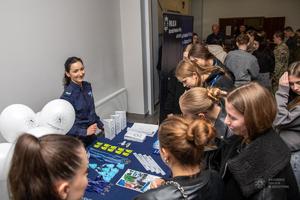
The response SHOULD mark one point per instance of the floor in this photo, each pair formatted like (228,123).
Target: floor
(148,119)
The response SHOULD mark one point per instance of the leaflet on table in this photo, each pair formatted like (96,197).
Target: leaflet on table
(149,163)
(148,129)
(134,136)
(136,180)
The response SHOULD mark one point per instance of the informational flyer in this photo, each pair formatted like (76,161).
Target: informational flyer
(135,180)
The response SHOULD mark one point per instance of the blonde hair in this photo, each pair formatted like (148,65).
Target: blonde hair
(198,100)
(186,68)
(186,138)
(257,105)
(294,70)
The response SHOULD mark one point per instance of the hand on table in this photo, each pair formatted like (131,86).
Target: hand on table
(91,129)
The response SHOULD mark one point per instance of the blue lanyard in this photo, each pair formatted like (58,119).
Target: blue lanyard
(213,82)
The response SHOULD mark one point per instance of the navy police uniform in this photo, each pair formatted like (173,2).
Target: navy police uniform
(83,102)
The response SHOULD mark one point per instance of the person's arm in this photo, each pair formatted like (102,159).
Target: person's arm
(95,116)
(254,69)
(284,116)
(76,129)
(272,62)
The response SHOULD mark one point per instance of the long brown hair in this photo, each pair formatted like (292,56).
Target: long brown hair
(200,51)
(186,138)
(38,162)
(186,68)
(294,70)
(257,105)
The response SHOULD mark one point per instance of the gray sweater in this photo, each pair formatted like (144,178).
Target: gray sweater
(243,65)
(287,122)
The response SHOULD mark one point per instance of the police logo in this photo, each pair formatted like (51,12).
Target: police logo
(260,183)
(166,24)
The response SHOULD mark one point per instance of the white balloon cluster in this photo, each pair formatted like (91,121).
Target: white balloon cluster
(57,116)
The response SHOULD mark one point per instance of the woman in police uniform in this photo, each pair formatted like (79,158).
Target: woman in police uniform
(79,93)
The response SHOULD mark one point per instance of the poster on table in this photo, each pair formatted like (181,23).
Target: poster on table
(178,32)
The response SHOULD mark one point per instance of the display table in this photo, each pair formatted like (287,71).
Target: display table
(112,152)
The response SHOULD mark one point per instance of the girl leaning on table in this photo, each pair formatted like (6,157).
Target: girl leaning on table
(207,103)
(182,141)
(287,121)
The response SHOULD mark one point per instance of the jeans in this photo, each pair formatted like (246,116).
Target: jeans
(295,162)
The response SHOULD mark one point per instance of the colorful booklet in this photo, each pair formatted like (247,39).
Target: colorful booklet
(135,180)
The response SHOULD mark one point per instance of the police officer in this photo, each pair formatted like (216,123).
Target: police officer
(79,93)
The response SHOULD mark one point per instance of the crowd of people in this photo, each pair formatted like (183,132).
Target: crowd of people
(238,136)
(251,98)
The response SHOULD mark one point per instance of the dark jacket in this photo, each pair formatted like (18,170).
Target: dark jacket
(265,59)
(215,38)
(207,185)
(259,170)
(211,155)
(221,128)
(83,102)
(219,79)
(170,91)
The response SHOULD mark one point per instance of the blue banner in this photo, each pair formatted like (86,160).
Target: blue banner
(178,33)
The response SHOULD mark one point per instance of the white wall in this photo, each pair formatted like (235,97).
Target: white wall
(215,9)
(197,12)
(37,37)
(131,28)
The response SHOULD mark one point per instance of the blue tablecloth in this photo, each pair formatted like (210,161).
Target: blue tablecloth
(119,193)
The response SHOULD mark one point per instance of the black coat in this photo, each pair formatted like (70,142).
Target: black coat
(220,79)
(207,185)
(259,170)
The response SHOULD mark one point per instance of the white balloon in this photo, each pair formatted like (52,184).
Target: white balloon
(37,118)
(41,130)
(58,114)
(1,138)
(15,120)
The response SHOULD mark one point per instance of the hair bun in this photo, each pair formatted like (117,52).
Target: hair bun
(215,93)
(200,132)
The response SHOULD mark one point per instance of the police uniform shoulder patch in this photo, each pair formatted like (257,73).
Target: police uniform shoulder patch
(68,93)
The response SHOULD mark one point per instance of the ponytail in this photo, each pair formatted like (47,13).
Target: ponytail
(201,133)
(199,100)
(38,163)
(28,175)
(186,138)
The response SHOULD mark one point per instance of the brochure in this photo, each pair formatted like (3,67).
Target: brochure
(136,180)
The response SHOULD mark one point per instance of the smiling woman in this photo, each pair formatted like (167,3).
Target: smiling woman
(79,93)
